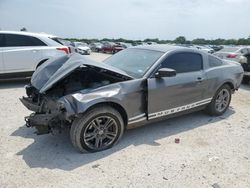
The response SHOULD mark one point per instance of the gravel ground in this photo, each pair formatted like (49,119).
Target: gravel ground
(213,151)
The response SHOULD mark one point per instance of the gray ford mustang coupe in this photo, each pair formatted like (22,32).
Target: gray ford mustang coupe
(133,87)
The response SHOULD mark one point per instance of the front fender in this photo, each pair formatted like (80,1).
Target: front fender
(80,102)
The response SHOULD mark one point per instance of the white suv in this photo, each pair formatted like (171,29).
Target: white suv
(22,52)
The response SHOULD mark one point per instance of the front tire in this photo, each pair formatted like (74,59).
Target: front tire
(99,129)
(220,101)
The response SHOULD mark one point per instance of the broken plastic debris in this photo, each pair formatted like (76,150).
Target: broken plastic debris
(177,140)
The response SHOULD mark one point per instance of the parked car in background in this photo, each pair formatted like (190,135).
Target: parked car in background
(136,43)
(144,43)
(238,54)
(22,52)
(82,48)
(151,43)
(125,45)
(216,48)
(96,46)
(111,47)
(138,85)
(67,43)
(203,48)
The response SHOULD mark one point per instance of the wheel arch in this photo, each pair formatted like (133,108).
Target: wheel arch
(230,84)
(114,105)
(41,62)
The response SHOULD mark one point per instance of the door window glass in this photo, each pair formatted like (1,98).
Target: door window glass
(184,62)
(13,40)
(213,61)
(1,40)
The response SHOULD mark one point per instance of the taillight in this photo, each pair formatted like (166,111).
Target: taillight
(65,49)
(231,55)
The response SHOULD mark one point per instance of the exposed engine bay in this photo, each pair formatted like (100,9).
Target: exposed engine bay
(84,79)
(48,111)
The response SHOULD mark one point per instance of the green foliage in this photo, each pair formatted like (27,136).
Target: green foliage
(243,41)
(178,40)
(200,41)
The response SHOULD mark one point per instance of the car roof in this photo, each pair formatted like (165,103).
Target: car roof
(28,33)
(160,47)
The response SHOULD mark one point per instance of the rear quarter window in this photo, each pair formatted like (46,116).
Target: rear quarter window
(184,62)
(214,62)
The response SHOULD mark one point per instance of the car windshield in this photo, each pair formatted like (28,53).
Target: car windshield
(135,62)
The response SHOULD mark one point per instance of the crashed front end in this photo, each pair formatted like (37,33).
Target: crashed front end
(56,86)
(48,113)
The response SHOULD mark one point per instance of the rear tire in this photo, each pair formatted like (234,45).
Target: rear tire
(99,129)
(220,101)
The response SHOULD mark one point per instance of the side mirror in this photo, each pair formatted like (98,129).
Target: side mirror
(165,72)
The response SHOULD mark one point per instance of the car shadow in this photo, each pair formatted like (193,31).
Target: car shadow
(13,83)
(245,87)
(56,151)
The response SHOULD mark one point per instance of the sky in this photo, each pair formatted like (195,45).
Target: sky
(130,19)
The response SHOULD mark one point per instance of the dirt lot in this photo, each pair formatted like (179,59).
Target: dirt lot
(212,151)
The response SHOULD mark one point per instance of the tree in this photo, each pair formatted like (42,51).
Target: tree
(218,41)
(200,41)
(152,40)
(180,40)
(230,42)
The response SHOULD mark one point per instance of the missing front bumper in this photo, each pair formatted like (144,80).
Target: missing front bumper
(40,121)
(27,102)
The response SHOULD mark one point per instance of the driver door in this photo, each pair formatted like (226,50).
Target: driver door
(169,95)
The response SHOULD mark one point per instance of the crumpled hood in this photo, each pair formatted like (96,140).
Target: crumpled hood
(56,69)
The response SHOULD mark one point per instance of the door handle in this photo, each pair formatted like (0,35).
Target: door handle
(200,79)
(34,51)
